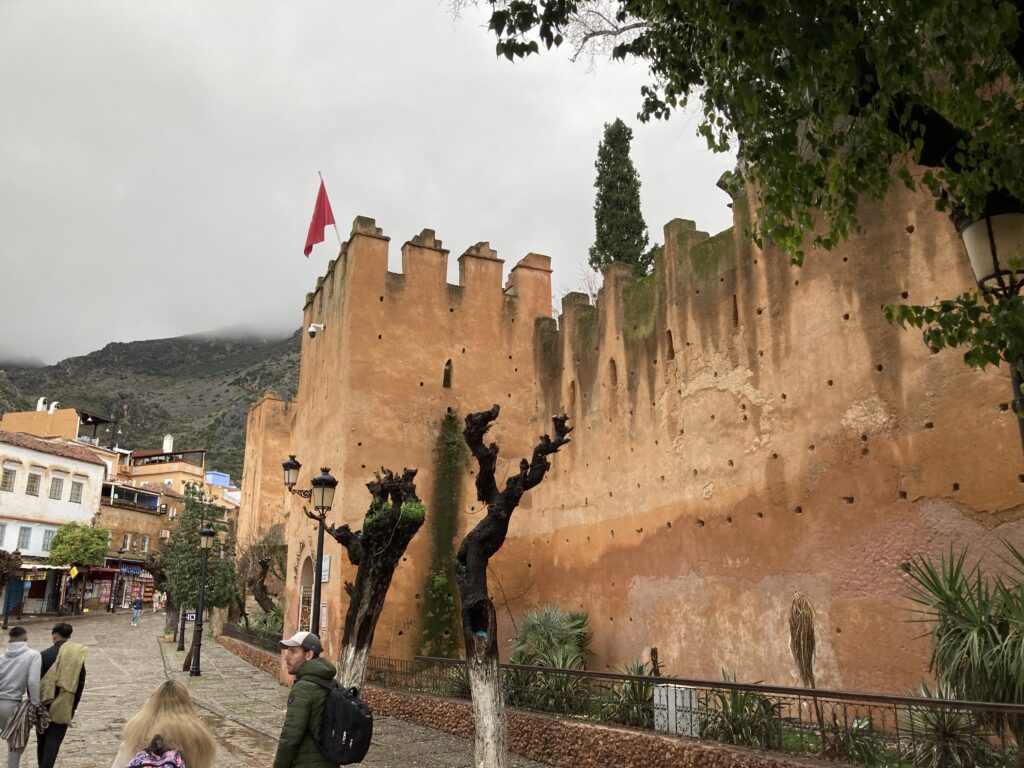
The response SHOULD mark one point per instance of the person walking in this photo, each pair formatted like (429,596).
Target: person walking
(19,672)
(298,747)
(169,715)
(60,689)
(136,611)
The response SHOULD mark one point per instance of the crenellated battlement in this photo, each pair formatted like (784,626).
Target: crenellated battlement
(424,261)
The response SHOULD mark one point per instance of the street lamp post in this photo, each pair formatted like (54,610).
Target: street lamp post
(322,495)
(112,605)
(7,589)
(994,241)
(206,537)
(181,630)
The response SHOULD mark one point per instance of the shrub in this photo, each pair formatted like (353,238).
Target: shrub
(632,701)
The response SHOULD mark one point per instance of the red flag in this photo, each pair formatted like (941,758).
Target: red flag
(322,216)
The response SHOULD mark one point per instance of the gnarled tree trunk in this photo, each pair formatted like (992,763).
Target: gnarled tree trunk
(479,624)
(394,516)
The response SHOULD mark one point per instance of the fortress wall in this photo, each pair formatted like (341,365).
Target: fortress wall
(372,393)
(266,447)
(744,429)
(789,440)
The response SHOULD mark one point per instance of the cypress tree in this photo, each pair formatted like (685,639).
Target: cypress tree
(621,233)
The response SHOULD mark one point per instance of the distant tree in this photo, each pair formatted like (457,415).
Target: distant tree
(620,230)
(10,566)
(394,516)
(75,544)
(182,557)
(479,623)
(261,559)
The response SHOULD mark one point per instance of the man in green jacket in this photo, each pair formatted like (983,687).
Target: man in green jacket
(297,747)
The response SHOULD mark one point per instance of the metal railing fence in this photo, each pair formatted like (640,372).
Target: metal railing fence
(843,726)
(267,641)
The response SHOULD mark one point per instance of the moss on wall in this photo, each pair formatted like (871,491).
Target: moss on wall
(707,255)
(438,613)
(639,301)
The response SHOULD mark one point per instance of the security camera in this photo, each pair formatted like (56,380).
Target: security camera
(314,328)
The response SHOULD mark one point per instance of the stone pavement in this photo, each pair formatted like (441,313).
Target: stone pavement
(243,705)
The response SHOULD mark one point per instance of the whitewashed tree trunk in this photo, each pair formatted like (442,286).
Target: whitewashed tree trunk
(490,749)
(352,666)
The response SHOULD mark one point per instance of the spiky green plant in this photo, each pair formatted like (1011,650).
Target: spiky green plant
(544,629)
(853,741)
(632,701)
(977,628)
(556,691)
(742,717)
(944,738)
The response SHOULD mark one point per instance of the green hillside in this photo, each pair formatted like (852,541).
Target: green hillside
(197,388)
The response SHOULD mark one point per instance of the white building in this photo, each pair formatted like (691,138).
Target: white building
(43,485)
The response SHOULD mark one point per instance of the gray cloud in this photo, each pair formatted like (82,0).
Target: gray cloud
(159,159)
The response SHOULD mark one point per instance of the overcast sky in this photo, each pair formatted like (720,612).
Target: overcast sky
(158,161)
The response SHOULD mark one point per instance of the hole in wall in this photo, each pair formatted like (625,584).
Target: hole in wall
(784,395)
(845,258)
(848,499)
(956,486)
(810,447)
(910,229)
(929,425)
(799,510)
(879,367)
(379,336)
(700,523)
(1004,406)
(735,312)
(668,524)
(905,294)
(382,298)
(451,309)
(760,514)
(670,348)
(846,315)
(729,520)
(903,495)
(446,381)
(830,382)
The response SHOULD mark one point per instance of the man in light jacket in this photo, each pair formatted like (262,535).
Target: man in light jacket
(60,689)
(19,672)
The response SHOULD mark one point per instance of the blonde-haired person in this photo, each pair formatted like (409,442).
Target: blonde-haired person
(169,712)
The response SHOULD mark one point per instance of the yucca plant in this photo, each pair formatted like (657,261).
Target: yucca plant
(632,701)
(944,738)
(742,717)
(977,631)
(556,691)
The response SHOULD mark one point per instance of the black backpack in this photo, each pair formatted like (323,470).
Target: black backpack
(347,724)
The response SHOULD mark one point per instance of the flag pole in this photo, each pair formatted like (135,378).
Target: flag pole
(336,232)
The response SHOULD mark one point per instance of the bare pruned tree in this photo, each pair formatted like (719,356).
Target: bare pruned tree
(479,624)
(394,516)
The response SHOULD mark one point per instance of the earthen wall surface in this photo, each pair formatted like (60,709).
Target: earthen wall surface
(745,429)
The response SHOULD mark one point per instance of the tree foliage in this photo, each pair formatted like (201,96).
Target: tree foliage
(182,557)
(829,104)
(75,544)
(620,230)
(547,630)
(10,566)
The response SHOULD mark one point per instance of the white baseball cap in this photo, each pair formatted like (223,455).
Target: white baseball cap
(306,640)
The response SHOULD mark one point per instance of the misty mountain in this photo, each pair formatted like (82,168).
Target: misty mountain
(197,388)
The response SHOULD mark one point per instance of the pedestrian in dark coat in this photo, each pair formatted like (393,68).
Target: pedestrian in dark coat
(297,747)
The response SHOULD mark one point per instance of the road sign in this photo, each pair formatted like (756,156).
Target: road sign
(190,615)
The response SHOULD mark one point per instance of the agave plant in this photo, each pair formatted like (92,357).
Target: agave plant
(944,738)
(743,717)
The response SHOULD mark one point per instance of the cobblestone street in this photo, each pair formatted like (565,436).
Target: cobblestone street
(243,705)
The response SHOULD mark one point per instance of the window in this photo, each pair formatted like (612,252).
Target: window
(76,492)
(32,486)
(24,537)
(126,541)
(56,487)
(7,483)
(145,543)
(3,533)
(48,539)
(173,513)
